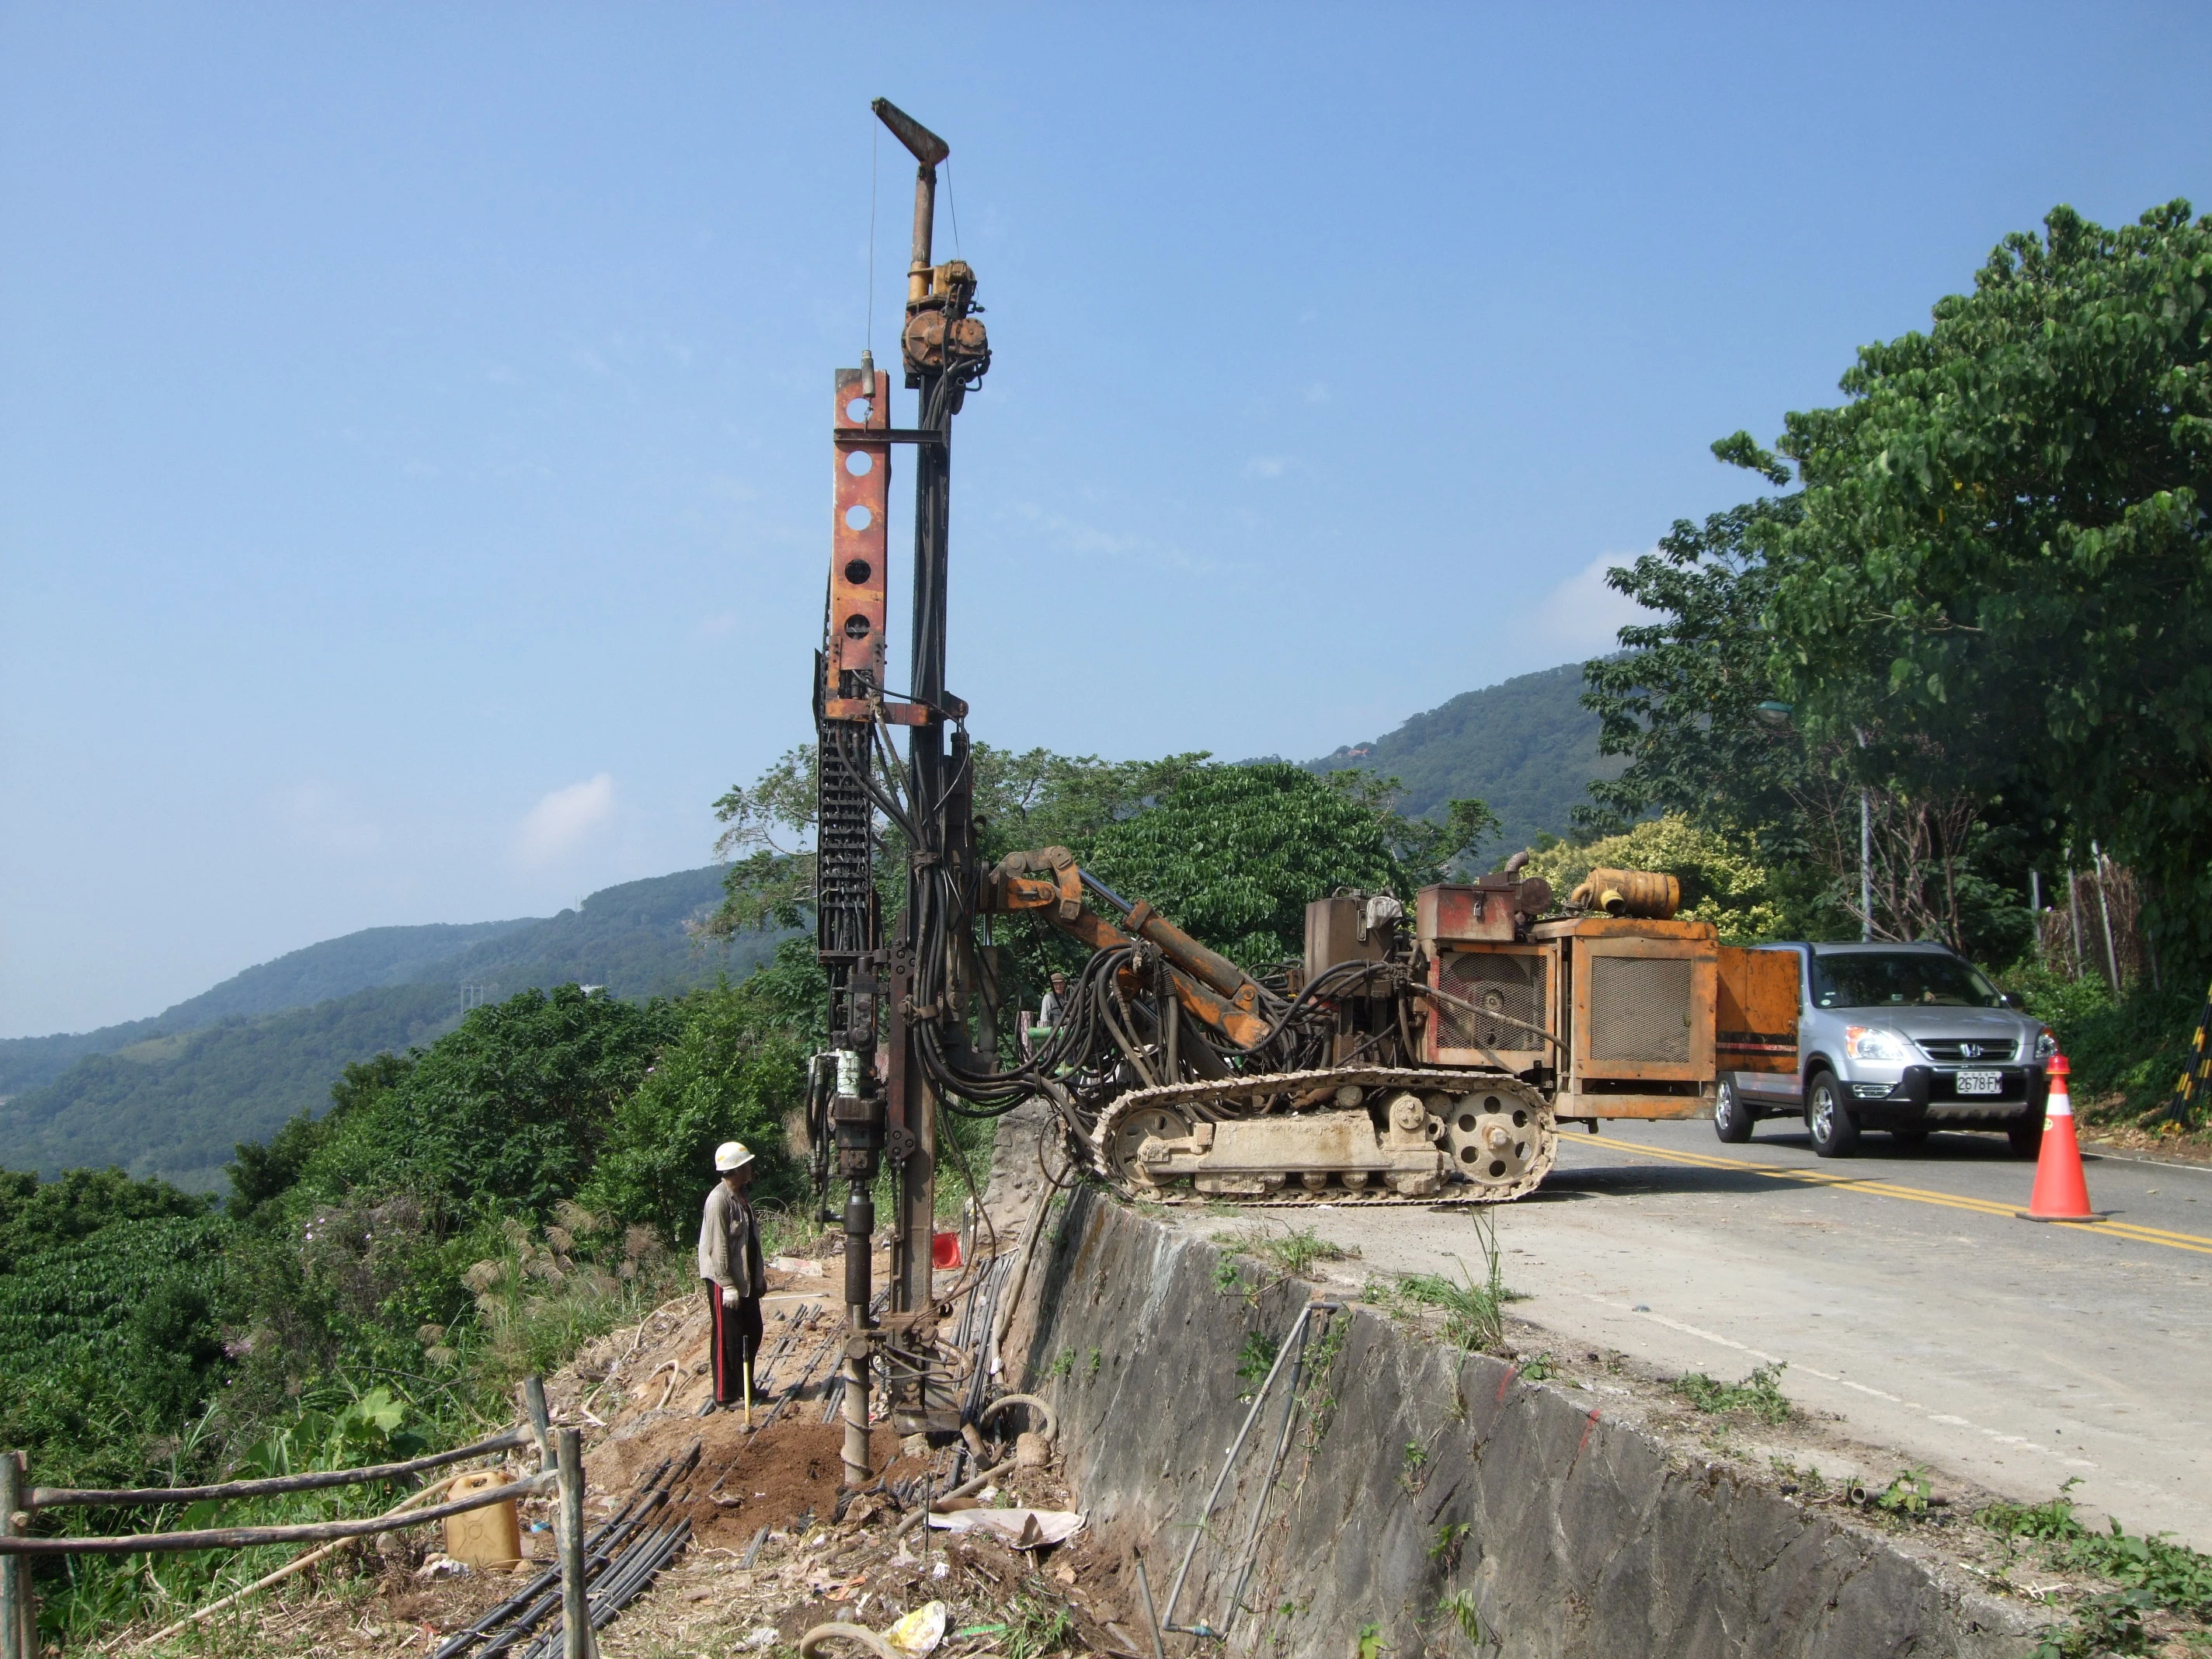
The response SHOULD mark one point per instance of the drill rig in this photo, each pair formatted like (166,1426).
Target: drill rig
(1426,1058)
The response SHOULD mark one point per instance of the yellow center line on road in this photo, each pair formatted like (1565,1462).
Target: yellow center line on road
(2126,1229)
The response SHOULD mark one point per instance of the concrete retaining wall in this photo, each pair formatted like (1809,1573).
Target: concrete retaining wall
(1582,1538)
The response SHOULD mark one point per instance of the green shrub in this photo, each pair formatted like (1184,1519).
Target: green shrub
(506,1112)
(2133,1046)
(730,1075)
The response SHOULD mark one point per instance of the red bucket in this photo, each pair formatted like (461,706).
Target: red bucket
(945,1251)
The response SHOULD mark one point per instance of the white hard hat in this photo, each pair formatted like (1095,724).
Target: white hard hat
(732,1155)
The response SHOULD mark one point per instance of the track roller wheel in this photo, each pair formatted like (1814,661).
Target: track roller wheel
(1501,1139)
(1131,1130)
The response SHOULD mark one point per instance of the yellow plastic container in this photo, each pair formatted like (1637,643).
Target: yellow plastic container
(489,1537)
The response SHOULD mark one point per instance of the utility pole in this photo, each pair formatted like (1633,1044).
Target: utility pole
(1866,865)
(1865,851)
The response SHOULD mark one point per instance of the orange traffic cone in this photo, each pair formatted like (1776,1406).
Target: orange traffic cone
(2060,1195)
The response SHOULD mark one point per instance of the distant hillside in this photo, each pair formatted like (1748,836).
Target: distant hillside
(299,979)
(1525,745)
(631,938)
(173,1094)
(175,1106)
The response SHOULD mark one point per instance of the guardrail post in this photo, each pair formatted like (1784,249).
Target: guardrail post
(14,1574)
(575,1609)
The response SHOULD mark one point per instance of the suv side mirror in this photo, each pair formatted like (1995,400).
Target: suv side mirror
(2007,1000)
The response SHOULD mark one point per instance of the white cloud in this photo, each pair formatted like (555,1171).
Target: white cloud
(1581,617)
(561,823)
(1266,466)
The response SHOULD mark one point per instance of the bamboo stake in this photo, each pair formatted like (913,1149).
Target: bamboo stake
(49,1497)
(226,1538)
(541,1424)
(2105,909)
(300,1564)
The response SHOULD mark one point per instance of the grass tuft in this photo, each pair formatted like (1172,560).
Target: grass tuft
(1291,1252)
(1758,1394)
(1473,1311)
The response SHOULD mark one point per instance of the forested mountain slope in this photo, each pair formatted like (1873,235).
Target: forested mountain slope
(172,1096)
(174,1106)
(298,979)
(1525,745)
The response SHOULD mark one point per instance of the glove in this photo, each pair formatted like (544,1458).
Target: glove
(729,1296)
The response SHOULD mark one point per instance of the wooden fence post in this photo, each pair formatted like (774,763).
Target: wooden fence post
(575,1607)
(15,1572)
(533,1400)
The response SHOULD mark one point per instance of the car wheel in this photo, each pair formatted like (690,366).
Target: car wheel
(1910,1139)
(2025,1137)
(1835,1131)
(1730,1122)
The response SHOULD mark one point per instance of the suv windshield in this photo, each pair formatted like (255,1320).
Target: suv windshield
(1881,979)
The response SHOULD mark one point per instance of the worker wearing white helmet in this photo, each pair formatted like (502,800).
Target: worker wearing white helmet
(730,1262)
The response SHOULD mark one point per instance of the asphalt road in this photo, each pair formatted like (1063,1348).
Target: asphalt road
(1901,1288)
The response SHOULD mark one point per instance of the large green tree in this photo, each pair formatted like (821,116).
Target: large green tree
(1231,853)
(736,1071)
(2002,562)
(505,1114)
(1691,698)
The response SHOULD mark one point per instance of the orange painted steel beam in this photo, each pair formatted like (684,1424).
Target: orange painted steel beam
(859,543)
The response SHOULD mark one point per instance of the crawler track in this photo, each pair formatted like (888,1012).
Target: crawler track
(1249,1096)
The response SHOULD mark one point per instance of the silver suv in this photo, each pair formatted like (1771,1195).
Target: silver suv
(1907,1039)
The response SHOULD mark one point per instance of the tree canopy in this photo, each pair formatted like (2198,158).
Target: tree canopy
(1231,853)
(1989,609)
(2003,548)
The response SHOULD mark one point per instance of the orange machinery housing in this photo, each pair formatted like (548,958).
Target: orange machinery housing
(1612,1016)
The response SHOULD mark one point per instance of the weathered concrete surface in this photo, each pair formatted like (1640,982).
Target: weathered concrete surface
(1582,1538)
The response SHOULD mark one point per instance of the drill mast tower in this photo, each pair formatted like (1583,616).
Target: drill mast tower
(895,1032)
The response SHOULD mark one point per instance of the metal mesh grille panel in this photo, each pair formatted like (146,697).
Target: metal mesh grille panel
(1640,1008)
(1511,985)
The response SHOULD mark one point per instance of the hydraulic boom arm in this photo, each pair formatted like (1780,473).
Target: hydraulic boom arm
(1210,987)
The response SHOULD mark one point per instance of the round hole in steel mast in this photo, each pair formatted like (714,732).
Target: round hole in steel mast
(858,463)
(858,571)
(856,517)
(856,627)
(856,411)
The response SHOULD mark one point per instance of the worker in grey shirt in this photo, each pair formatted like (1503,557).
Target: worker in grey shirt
(730,1262)
(1053,1009)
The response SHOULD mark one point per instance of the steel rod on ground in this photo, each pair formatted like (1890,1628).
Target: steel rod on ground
(576,1614)
(1198,1526)
(1249,1552)
(1151,1614)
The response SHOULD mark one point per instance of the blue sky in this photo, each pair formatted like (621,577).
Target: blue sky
(413,495)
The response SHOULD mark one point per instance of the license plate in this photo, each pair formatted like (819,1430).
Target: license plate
(1981,1083)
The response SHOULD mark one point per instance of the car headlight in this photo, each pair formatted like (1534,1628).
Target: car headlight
(2046,1045)
(1872,1043)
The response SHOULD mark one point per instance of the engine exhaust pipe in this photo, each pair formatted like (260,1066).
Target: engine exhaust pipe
(928,150)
